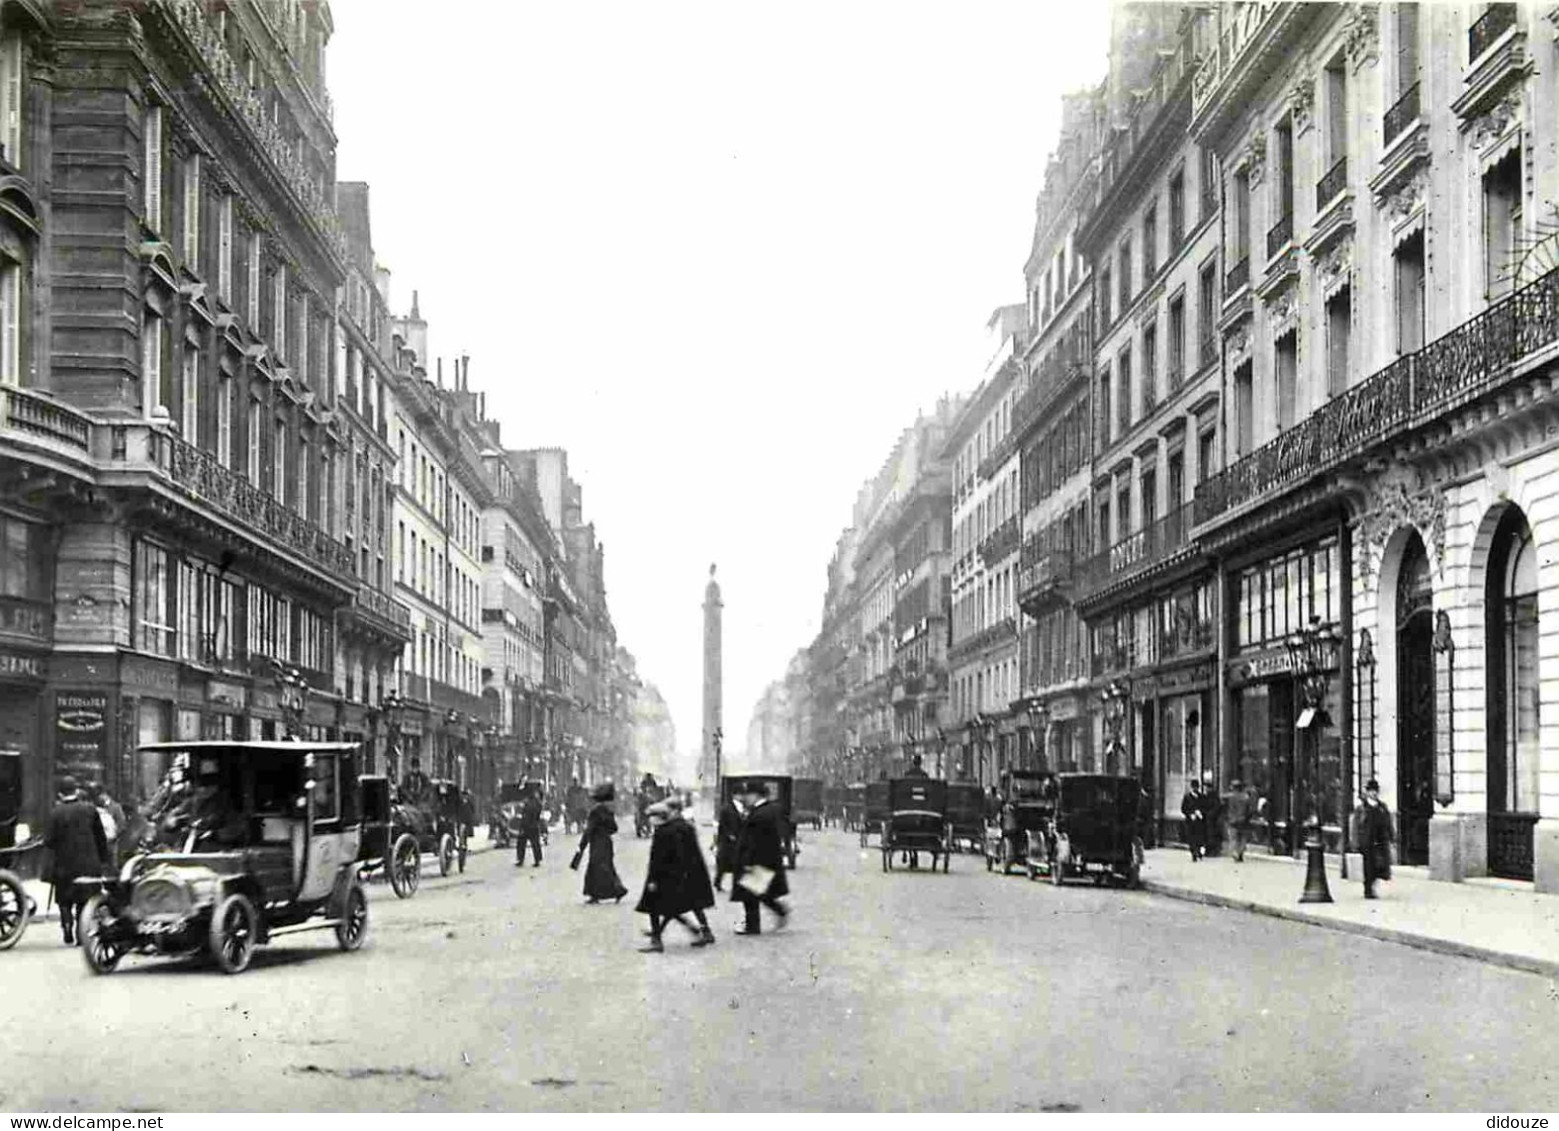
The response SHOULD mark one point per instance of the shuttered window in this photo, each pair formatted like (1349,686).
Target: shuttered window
(225,248)
(151,172)
(192,211)
(11,93)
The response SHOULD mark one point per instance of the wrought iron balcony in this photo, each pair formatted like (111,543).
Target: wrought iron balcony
(200,476)
(1135,553)
(1238,277)
(1185,637)
(389,612)
(1496,19)
(1048,577)
(1330,187)
(42,417)
(1001,542)
(1475,358)
(1281,233)
(1402,114)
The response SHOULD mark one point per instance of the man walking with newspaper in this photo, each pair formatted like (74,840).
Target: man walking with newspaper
(760,860)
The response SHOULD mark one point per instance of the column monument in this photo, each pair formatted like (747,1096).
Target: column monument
(709,761)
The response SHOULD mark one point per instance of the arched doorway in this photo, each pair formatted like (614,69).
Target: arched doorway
(1415,702)
(1511,646)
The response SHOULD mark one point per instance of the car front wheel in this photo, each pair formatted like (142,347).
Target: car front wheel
(14,910)
(234,927)
(352,928)
(92,929)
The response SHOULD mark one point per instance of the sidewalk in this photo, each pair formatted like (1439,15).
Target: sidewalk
(1489,920)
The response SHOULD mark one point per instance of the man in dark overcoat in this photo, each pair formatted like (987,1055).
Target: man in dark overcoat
(728,830)
(77,848)
(677,880)
(527,829)
(1373,824)
(760,860)
(1193,813)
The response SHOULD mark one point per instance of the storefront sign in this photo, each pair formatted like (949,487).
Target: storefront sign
(80,734)
(229,696)
(143,673)
(1269,665)
(1061,710)
(14,665)
(265,700)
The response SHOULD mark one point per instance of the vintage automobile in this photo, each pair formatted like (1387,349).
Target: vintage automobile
(780,789)
(16,906)
(966,815)
(1028,803)
(385,848)
(1092,832)
(272,849)
(439,822)
(917,822)
(807,802)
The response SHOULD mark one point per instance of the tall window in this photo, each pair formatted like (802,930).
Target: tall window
(1285,171)
(1123,390)
(1239,222)
(1149,367)
(151,170)
(1148,492)
(10,322)
(1106,317)
(190,401)
(225,248)
(1206,454)
(1336,112)
(1407,48)
(252,431)
(225,421)
(153,591)
(1175,483)
(1176,341)
(192,210)
(1514,688)
(305,370)
(1207,315)
(1285,367)
(1339,331)
(1125,277)
(1409,259)
(151,364)
(1103,410)
(279,460)
(279,311)
(1244,411)
(1149,244)
(11,97)
(256,246)
(1501,223)
(1176,210)
(303,476)
(1207,175)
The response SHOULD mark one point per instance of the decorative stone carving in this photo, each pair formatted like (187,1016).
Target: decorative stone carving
(1301,102)
(1363,34)
(1333,268)
(1281,309)
(1400,497)
(1492,126)
(1406,200)
(1256,158)
(1239,342)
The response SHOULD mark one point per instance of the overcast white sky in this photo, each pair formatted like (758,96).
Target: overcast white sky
(722,253)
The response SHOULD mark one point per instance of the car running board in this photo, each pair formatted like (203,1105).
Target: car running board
(311,925)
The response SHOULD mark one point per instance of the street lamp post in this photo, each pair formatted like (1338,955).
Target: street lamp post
(1308,650)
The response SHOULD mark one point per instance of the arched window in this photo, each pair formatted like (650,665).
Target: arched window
(1513,695)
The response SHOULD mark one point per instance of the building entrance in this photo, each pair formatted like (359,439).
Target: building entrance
(1415,704)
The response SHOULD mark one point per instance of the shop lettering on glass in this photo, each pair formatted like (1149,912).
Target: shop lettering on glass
(81,733)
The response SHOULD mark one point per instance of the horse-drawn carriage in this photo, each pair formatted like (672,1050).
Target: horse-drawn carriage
(399,829)
(781,793)
(808,802)
(17,863)
(917,822)
(275,850)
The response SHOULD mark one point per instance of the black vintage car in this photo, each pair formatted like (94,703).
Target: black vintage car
(780,789)
(273,848)
(1093,831)
(1028,803)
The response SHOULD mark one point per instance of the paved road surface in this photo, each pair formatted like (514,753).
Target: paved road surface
(500,990)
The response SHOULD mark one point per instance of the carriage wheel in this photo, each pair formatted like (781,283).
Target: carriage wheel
(404,867)
(233,929)
(353,927)
(446,854)
(13,910)
(91,928)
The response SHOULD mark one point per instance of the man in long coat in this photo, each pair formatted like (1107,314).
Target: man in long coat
(760,861)
(728,831)
(677,880)
(1373,824)
(527,829)
(1193,811)
(77,847)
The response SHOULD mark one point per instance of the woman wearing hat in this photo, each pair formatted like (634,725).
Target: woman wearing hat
(677,880)
(601,880)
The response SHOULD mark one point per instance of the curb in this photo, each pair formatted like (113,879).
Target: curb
(1523,962)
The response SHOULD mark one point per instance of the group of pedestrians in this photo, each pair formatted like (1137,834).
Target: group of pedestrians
(749,845)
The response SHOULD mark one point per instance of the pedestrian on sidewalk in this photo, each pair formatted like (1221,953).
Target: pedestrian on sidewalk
(727,832)
(601,880)
(1194,814)
(1240,811)
(527,829)
(1372,824)
(116,823)
(77,848)
(760,860)
(677,880)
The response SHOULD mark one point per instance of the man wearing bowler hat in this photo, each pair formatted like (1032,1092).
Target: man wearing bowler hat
(760,860)
(77,848)
(1373,823)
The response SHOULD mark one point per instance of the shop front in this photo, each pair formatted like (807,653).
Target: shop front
(24,788)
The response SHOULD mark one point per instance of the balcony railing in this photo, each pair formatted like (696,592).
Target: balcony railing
(1001,542)
(1136,552)
(199,475)
(26,410)
(1238,277)
(1185,637)
(372,601)
(1280,234)
(1051,574)
(1330,187)
(1403,113)
(1489,27)
(1473,359)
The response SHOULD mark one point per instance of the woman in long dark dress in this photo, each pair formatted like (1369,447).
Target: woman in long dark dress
(601,880)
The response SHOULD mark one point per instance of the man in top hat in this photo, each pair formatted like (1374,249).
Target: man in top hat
(414,783)
(77,847)
(760,860)
(1373,823)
